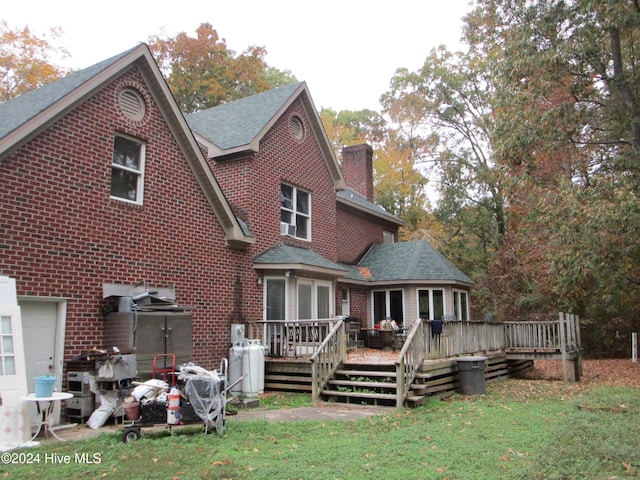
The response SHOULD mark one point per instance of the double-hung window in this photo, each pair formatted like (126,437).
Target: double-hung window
(295,212)
(431,304)
(127,169)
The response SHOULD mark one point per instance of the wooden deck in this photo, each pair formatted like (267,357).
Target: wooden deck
(314,356)
(368,376)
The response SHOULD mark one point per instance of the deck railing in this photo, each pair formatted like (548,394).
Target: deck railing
(327,359)
(291,338)
(562,335)
(459,338)
(409,361)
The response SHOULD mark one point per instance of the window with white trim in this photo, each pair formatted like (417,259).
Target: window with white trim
(346,301)
(431,304)
(460,305)
(127,169)
(7,350)
(295,212)
(388,304)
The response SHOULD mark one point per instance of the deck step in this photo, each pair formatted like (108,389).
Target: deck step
(351,383)
(366,373)
(379,396)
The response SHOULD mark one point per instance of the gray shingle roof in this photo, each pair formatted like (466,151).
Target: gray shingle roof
(406,261)
(287,255)
(18,111)
(360,200)
(238,123)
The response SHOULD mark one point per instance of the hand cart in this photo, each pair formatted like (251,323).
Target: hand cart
(203,400)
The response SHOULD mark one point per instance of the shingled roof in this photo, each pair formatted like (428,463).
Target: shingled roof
(17,112)
(415,261)
(285,257)
(359,202)
(238,127)
(237,124)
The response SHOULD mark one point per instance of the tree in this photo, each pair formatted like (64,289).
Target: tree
(399,186)
(352,127)
(567,133)
(444,111)
(567,73)
(202,72)
(25,60)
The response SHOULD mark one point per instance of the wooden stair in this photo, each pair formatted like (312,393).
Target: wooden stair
(364,384)
(375,383)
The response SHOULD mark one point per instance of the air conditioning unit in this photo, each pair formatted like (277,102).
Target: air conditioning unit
(287,229)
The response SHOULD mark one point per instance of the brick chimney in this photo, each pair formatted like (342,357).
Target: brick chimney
(357,168)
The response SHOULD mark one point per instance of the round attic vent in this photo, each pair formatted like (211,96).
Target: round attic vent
(132,104)
(296,127)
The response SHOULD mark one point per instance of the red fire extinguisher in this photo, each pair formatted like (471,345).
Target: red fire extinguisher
(173,407)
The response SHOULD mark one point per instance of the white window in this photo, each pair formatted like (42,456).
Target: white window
(295,212)
(388,304)
(346,303)
(7,348)
(314,299)
(127,169)
(388,237)
(460,305)
(431,304)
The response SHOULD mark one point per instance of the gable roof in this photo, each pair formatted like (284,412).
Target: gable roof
(287,257)
(413,262)
(239,126)
(24,117)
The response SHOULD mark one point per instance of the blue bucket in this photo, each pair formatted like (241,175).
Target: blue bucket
(44,385)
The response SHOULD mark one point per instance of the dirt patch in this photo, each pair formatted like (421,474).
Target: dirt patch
(616,372)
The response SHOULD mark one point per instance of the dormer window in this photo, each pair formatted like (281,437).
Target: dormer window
(295,212)
(127,169)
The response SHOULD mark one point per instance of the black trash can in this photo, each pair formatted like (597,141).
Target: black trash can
(471,375)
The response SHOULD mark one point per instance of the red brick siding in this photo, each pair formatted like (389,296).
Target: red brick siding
(252,186)
(359,299)
(62,236)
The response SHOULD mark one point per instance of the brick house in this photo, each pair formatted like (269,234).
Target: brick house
(234,214)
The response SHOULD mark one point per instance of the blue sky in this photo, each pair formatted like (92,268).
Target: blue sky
(346,51)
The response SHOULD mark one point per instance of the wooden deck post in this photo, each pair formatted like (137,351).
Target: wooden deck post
(563,348)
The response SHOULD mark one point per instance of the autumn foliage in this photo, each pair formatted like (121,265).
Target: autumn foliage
(25,60)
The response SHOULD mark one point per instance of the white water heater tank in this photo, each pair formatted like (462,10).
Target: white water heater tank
(235,367)
(253,368)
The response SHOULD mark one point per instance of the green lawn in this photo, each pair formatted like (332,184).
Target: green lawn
(520,430)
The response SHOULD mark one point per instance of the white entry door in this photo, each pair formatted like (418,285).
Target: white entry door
(13,384)
(41,330)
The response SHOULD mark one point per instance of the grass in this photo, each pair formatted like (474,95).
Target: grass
(520,430)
